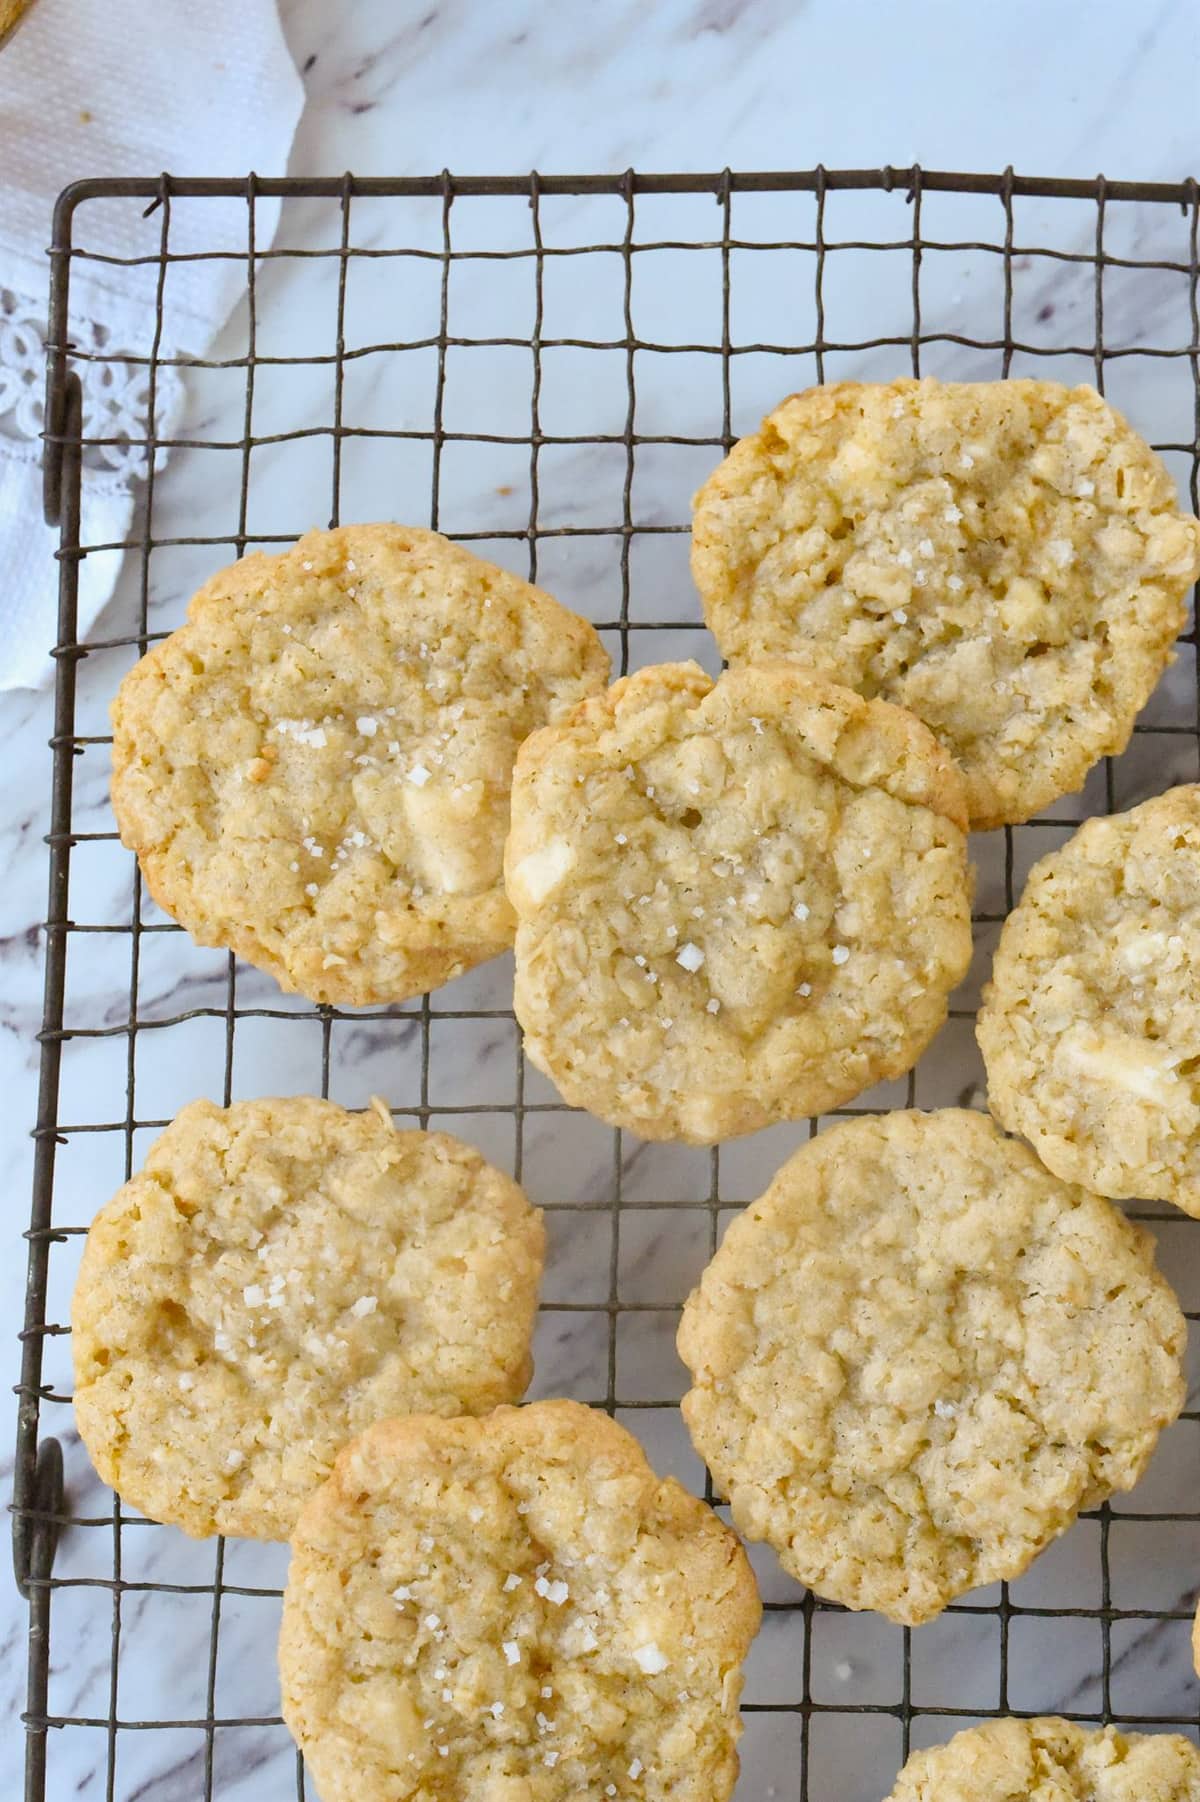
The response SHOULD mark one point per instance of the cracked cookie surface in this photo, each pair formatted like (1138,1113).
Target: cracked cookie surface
(919,1355)
(739,902)
(314,771)
(1052,1760)
(513,1609)
(279,1275)
(1006,559)
(1090,1025)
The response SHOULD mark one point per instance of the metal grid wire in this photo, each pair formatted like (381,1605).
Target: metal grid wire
(802,1634)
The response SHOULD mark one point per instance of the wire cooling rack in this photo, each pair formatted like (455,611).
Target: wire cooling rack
(547,365)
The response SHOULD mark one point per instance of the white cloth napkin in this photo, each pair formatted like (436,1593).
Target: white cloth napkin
(104,88)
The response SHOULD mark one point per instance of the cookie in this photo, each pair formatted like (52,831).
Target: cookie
(1006,559)
(739,902)
(314,771)
(513,1609)
(1090,1026)
(280,1275)
(919,1355)
(1051,1760)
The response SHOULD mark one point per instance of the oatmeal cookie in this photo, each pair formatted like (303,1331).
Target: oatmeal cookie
(1006,559)
(919,1355)
(513,1609)
(739,902)
(278,1276)
(315,770)
(1090,1026)
(1051,1760)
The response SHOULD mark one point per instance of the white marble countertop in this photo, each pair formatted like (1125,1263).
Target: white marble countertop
(1066,88)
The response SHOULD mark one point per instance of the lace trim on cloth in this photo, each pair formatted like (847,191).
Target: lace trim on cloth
(116,393)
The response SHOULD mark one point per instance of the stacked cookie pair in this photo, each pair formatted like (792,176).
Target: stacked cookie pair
(298,1321)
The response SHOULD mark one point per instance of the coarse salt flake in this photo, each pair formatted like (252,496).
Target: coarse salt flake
(945,1410)
(650,1659)
(757,724)
(366,1304)
(954,583)
(1084,489)
(952,515)
(636,1769)
(512,1581)
(433,1622)
(402,1593)
(689,957)
(550,1758)
(512,1651)
(303,731)
(622,839)
(800,911)
(926,547)
(556,1592)
(311,888)
(1061,550)
(418,775)
(841,954)
(713,1006)
(495,1709)
(904,558)
(367,724)
(966,461)
(900,616)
